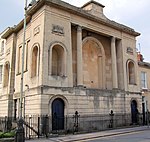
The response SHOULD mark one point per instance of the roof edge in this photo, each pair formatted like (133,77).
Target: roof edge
(73,9)
(92,1)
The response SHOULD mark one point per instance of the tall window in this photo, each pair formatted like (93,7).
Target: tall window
(34,61)
(1,69)
(2,47)
(19,59)
(26,56)
(6,74)
(58,60)
(143,80)
(131,73)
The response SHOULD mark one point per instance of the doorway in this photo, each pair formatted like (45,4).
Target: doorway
(58,114)
(15,109)
(134,112)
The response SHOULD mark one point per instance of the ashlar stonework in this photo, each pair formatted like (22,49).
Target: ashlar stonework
(74,57)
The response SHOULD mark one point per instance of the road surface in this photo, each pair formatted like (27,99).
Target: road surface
(141,136)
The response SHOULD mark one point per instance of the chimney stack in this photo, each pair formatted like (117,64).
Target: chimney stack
(140,57)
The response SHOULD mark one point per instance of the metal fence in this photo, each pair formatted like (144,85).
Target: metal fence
(36,126)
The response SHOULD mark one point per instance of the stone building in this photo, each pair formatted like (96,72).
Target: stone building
(3,52)
(144,74)
(76,59)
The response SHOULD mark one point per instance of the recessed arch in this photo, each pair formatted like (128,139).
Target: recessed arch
(66,103)
(57,55)
(131,74)
(6,74)
(35,57)
(93,57)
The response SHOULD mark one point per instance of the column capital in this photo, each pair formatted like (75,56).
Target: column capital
(113,39)
(79,28)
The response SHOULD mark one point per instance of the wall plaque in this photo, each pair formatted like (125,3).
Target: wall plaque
(36,31)
(129,50)
(8,51)
(58,29)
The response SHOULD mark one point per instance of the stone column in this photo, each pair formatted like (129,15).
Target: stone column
(79,57)
(114,63)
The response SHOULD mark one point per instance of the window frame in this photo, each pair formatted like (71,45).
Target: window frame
(143,80)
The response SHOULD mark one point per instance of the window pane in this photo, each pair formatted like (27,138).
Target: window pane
(143,80)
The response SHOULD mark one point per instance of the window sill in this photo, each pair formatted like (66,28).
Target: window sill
(145,89)
(59,76)
(133,84)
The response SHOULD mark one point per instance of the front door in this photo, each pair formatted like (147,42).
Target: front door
(134,112)
(58,114)
(143,111)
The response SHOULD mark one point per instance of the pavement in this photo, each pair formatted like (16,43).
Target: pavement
(79,137)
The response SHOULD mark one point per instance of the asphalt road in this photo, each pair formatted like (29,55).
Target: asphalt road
(141,136)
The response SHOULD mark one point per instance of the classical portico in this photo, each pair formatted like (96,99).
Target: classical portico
(99,66)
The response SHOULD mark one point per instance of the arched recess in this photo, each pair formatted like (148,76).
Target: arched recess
(6,74)
(134,111)
(35,57)
(93,63)
(57,59)
(131,72)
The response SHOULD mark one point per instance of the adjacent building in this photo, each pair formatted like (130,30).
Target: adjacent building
(144,73)
(76,59)
(4,99)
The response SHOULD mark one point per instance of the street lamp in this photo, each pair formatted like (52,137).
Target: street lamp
(20,137)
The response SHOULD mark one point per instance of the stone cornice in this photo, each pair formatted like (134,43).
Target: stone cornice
(15,29)
(74,10)
(144,64)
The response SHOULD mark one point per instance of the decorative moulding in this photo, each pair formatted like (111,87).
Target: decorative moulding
(129,50)
(56,29)
(36,30)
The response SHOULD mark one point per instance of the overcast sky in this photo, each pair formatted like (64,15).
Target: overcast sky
(132,13)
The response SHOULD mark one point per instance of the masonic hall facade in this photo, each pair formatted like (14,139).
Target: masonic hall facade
(76,59)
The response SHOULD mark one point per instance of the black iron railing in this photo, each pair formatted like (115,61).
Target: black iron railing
(36,126)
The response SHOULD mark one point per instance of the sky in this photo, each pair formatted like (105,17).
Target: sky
(132,13)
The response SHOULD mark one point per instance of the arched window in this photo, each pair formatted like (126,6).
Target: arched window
(131,72)
(6,74)
(34,64)
(57,61)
